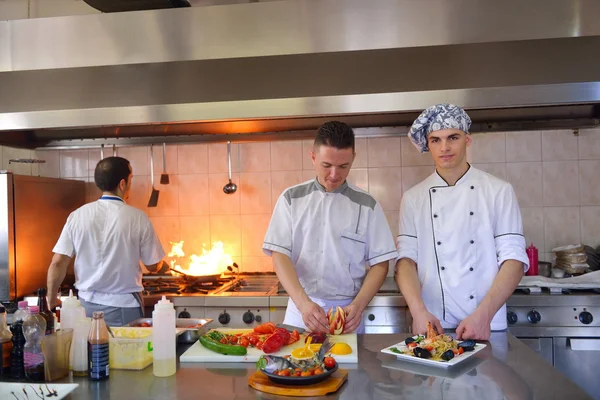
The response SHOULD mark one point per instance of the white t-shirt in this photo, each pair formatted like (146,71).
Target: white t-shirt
(109,238)
(459,236)
(330,237)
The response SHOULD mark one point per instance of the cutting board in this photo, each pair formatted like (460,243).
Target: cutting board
(199,353)
(261,382)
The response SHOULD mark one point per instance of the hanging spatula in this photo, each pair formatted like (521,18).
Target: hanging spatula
(164,177)
(154,195)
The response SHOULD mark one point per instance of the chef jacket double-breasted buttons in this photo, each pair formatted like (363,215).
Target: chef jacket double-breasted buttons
(459,236)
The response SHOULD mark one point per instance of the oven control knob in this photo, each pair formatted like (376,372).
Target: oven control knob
(511,317)
(248,317)
(534,317)
(371,317)
(224,318)
(586,317)
(184,314)
(258,318)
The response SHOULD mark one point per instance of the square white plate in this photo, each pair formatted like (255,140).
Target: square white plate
(442,364)
(8,388)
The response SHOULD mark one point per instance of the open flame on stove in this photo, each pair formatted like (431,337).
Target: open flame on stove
(209,262)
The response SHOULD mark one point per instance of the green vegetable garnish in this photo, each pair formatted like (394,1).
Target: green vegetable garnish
(395,350)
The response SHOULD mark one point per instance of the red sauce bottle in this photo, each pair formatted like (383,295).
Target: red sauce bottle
(532,253)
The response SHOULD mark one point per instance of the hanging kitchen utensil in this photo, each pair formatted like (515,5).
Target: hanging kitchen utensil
(153,201)
(114,150)
(102,152)
(231,187)
(164,177)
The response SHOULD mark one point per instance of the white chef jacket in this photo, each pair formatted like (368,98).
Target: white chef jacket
(109,238)
(330,237)
(459,236)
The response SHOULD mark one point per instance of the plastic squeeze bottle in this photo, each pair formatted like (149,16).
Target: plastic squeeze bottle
(34,329)
(71,311)
(164,339)
(5,344)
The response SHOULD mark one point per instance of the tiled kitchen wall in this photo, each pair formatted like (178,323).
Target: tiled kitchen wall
(554,173)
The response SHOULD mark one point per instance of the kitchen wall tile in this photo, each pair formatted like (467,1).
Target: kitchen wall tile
(49,169)
(172,159)
(308,175)
(286,155)
(391,268)
(496,169)
(559,145)
(255,157)
(361,147)
(281,180)
(392,217)
(533,226)
(227,229)
(255,192)
(168,198)
(13,9)
(254,229)
(167,229)
(93,159)
(589,182)
(221,203)
(58,8)
(193,194)
(561,227)
(561,183)
(384,152)
(524,146)
(526,180)
(589,144)
(217,158)
(256,264)
(470,154)
(73,163)
(195,233)
(412,176)
(140,193)
(590,226)
(307,146)
(489,147)
(411,156)
(547,257)
(138,157)
(385,184)
(191,159)
(359,177)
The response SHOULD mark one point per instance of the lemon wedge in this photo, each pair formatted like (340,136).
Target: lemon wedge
(341,349)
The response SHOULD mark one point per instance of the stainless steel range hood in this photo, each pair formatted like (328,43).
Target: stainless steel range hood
(287,66)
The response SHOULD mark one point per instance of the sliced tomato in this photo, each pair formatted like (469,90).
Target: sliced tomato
(411,345)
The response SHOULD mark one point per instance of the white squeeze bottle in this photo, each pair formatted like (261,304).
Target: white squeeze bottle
(163,338)
(70,311)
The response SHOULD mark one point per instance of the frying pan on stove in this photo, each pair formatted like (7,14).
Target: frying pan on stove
(198,279)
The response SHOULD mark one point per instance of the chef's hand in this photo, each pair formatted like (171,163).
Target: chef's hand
(353,317)
(53,302)
(475,327)
(420,320)
(314,317)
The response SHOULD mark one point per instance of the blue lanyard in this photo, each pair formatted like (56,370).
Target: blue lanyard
(112,198)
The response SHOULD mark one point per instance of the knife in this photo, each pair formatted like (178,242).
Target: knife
(291,328)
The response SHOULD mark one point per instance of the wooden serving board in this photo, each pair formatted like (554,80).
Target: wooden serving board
(262,383)
(199,353)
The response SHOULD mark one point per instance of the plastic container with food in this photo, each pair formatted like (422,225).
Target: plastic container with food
(131,348)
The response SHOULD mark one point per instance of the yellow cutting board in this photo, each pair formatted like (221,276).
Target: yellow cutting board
(199,353)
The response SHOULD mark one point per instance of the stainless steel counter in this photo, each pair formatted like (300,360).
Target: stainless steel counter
(507,369)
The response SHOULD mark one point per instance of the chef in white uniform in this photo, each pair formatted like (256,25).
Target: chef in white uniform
(461,246)
(330,241)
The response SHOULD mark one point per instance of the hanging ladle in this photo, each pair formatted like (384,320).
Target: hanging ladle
(231,187)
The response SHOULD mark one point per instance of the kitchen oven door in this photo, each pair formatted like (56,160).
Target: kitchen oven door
(542,346)
(579,359)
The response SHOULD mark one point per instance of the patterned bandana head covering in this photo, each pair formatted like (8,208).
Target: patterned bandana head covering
(436,118)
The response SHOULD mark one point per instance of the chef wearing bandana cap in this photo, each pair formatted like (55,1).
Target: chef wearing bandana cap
(460,243)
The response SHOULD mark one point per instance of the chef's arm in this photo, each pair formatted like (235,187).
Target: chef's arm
(371,285)
(409,284)
(504,285)
(56,276)
(160,267)
(289,279)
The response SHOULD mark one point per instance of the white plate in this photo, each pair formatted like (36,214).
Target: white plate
(62,390)
(442,364)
